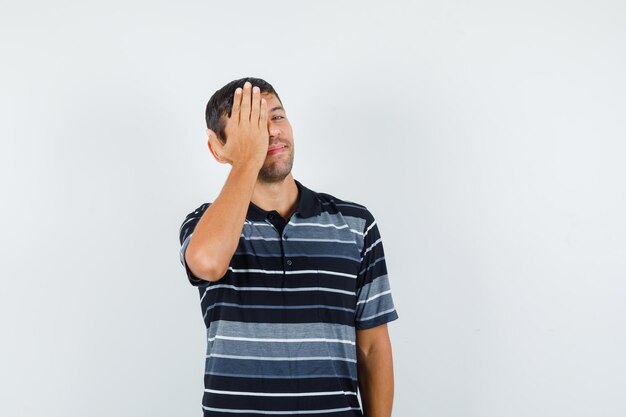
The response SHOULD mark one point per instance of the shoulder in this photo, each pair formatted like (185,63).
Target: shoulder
(190,221)
(348,208)
(198,211)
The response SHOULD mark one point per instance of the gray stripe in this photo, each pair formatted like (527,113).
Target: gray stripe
(372,308)
(337,219)
(282,330)
(373,316)
(378,285)
(281,349)
(283,369)
(259,230)
(293,247)
(374,298)
(328,248)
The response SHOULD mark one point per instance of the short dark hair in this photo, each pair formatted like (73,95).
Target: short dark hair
(221,103)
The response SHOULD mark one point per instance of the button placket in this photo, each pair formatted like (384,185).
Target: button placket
(284,239)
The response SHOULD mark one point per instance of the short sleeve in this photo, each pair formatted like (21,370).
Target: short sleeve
(374,301)
(185,233)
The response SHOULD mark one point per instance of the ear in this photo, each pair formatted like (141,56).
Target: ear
(216,147)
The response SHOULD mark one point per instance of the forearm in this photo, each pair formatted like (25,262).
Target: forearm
(376,384)
(216,236)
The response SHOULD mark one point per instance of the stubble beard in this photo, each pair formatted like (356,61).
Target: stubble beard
(276,171)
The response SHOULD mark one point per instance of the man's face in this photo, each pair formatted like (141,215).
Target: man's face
(279,159)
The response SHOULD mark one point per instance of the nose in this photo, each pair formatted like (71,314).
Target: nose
(273,131)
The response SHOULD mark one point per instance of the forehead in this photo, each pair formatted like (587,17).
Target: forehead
(273,103)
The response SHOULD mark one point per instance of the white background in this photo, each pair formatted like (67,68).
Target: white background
(486,137)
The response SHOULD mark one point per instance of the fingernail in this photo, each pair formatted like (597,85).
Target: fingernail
(256,89)
(247,84)
(238,91)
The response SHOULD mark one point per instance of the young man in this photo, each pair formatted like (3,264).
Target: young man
(293,283)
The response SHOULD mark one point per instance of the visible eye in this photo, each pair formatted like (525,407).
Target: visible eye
(277,117)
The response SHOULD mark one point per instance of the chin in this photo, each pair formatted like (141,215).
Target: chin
(270,175)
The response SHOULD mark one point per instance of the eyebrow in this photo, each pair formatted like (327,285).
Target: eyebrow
(276,108)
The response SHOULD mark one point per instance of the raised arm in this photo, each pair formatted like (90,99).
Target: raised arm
(215,237)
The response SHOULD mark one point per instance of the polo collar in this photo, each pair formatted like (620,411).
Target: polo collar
(308,205)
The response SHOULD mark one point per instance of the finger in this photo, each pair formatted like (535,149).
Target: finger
(234,114)
(263,114)
(256,105)
(246,102)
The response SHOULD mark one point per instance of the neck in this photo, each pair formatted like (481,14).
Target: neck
(281,196)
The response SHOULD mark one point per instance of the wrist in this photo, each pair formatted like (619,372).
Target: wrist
(246,169)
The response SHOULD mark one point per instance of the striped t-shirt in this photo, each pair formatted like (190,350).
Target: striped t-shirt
(281,324)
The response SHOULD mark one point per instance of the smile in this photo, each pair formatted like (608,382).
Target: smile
(276,149)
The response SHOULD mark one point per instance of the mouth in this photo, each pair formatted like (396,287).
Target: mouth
(274,149)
